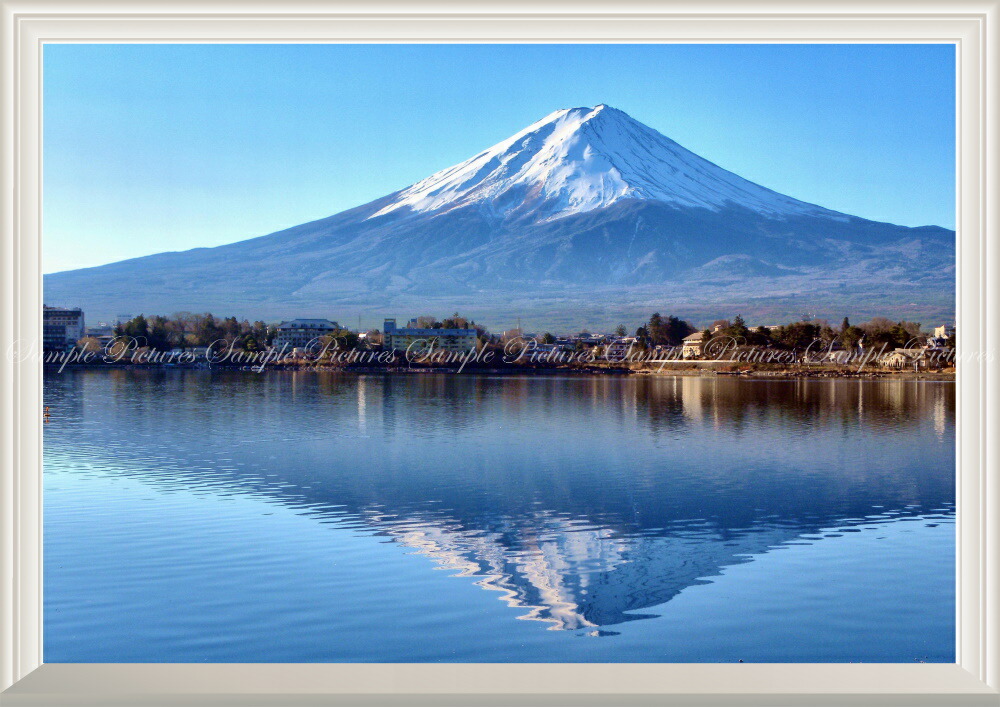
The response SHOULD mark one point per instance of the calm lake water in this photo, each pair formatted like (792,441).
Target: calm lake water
(205,516)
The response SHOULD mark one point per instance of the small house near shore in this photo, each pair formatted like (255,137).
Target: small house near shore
(916,359)
(691,346)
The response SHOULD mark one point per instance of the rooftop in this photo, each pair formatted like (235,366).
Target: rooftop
(308,323)
(411,331)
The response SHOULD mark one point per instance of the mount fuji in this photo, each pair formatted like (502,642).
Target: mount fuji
(584,218)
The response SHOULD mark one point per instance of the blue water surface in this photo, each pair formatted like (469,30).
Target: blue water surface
(322,517)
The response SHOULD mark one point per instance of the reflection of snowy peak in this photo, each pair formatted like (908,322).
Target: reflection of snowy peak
(576,160)
(576,577)
(573,545)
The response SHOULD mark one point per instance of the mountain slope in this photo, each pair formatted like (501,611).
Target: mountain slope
(580,159)
(585,218)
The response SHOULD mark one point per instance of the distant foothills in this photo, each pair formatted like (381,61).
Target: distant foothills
(187,337)
(581,219)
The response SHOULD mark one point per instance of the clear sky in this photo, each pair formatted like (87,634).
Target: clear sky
(168,147)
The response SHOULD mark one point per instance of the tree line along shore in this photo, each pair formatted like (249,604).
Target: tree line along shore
(660,345)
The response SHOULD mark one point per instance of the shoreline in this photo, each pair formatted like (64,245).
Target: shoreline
(706,369)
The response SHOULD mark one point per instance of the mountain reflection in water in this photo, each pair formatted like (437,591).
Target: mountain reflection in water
(584,501)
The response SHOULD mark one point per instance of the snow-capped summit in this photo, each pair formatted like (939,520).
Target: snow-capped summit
(585,218)
(576,160)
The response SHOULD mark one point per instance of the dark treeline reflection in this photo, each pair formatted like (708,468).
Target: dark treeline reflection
(584,500)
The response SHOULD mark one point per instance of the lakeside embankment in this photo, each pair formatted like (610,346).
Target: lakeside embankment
(803,370)
(673,368)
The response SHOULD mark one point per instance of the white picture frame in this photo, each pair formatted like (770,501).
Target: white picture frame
(971,25)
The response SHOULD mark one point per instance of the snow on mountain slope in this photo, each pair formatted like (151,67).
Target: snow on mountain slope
(577,160)
(586,217)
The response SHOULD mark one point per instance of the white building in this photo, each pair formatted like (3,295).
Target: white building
(302,333)
(692,345)
(61,327)
(621,348)
(905,358)
(451,340)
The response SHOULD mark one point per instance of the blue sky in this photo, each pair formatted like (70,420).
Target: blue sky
(168,147)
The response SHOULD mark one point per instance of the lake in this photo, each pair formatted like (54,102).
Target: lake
(321,517)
